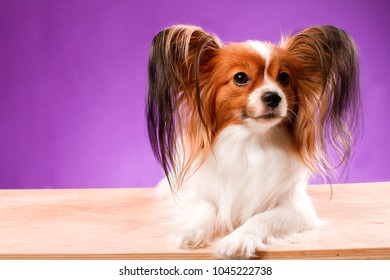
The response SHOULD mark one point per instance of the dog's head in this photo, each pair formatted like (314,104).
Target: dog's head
(308,85)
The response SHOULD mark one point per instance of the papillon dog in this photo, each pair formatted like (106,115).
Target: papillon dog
(239,128)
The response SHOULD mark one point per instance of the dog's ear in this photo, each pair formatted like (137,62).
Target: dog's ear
(327,93)
(178,56)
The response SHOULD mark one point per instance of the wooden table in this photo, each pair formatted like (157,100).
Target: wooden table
(127,224)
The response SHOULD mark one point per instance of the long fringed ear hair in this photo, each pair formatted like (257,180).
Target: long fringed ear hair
(176,112)
(329,108)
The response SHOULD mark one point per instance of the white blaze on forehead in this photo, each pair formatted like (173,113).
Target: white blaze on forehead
(264,49)
(255,106)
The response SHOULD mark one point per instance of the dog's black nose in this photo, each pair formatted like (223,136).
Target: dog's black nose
(271,99)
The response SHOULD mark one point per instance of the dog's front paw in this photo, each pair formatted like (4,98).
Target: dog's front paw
(238,245)
(191,238)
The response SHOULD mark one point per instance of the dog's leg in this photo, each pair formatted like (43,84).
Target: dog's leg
(199,223)
(293,215)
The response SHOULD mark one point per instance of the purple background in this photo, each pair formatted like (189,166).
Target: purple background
(73,81)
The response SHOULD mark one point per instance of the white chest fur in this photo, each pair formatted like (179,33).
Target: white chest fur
(245,175)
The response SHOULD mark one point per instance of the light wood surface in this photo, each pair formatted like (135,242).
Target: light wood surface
(129,224)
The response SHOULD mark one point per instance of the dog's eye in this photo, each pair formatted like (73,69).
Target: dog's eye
(284,78)
(241,79)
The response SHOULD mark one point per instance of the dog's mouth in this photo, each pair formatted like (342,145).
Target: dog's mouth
(267,116)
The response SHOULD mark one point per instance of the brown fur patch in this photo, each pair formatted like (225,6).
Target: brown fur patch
(231,99)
